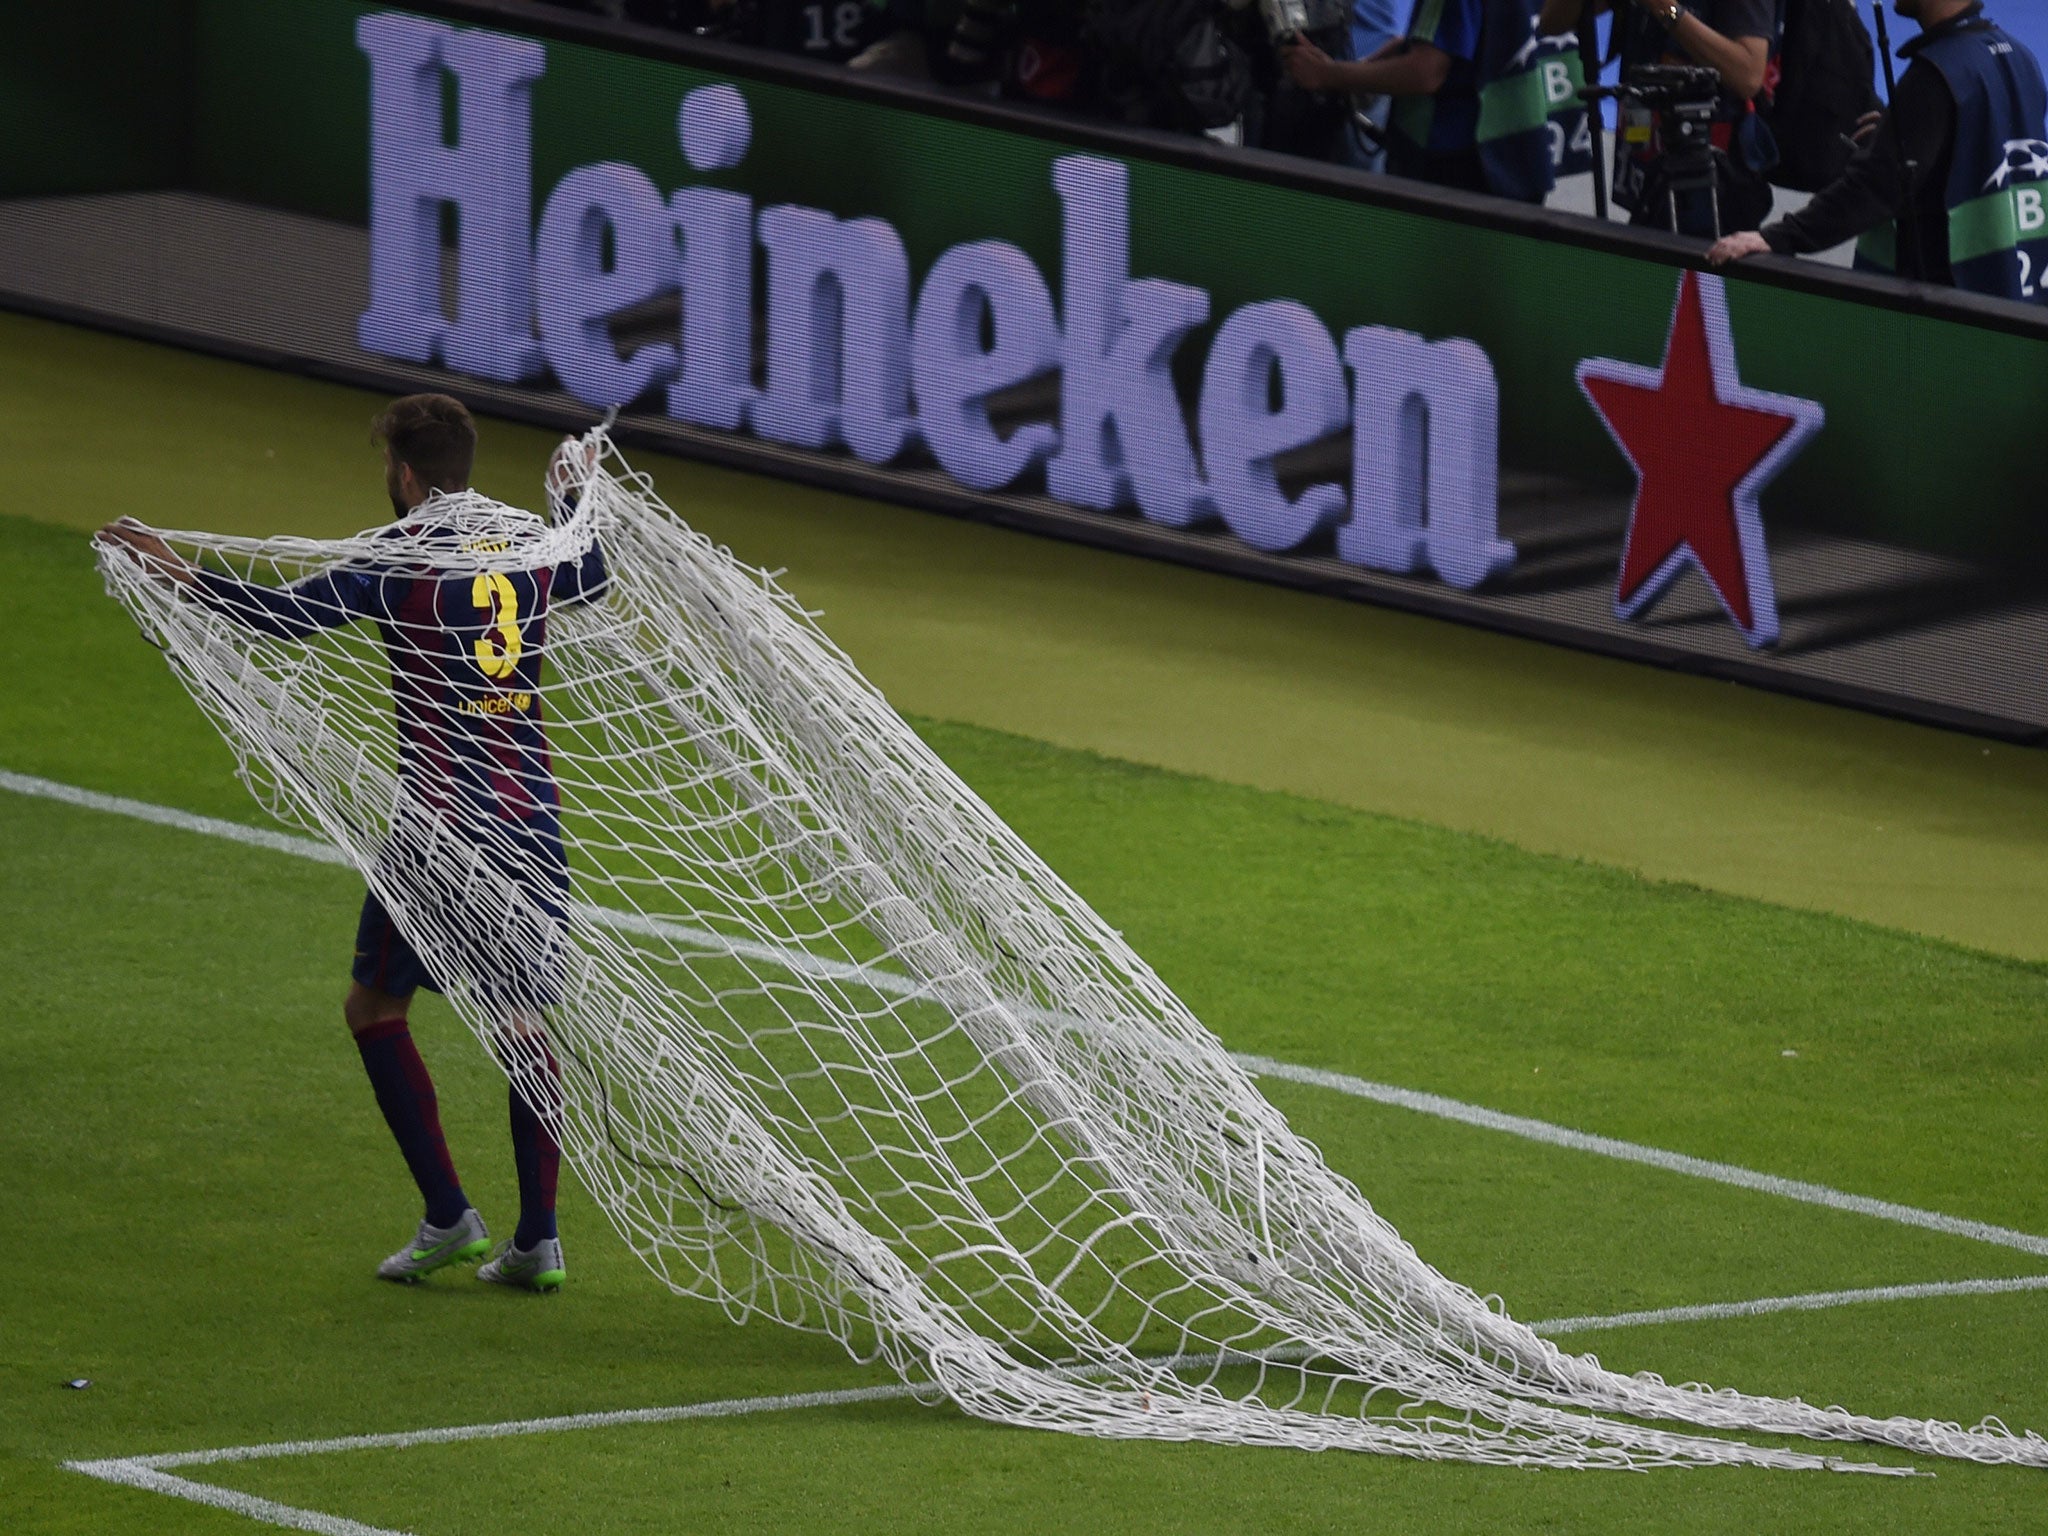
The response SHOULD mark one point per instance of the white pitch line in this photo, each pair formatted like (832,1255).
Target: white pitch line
(735,1407)
(132,1473)
(152,1472)
(1811,1301)
(149,1472)
(166,816)
(1654,1157)
(723,1408)
(1262,1066)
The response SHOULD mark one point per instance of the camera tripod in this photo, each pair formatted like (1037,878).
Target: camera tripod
(1689,162)
(1684,100)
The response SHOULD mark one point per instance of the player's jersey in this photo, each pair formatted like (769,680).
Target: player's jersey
(465,650)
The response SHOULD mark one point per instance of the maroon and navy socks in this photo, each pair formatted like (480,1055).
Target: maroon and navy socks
(405,1093)
(536,1154)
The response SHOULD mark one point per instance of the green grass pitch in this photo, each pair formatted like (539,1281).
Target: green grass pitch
(197,1185)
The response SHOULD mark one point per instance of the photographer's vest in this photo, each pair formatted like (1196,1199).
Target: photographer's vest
(1997,192)
(1512,129)
(1563,73)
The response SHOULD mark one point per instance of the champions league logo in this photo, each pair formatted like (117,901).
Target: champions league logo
(1703,446)
(2025,160)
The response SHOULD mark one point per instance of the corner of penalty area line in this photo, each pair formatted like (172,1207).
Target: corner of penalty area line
(142,1474)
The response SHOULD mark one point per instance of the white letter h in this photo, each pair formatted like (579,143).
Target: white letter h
(487,176)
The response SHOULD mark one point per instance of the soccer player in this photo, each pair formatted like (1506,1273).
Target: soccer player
(465,649)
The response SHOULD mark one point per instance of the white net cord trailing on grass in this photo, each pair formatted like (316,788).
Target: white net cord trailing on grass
(839,1050)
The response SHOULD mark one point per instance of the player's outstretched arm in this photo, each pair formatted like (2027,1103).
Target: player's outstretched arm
(585,580)
(151,552)
(286,613)
(571,466)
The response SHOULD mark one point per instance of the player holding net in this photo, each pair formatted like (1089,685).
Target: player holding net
(846,1054)
(464,650)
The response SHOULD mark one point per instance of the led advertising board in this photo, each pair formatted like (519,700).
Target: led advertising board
(1819,482)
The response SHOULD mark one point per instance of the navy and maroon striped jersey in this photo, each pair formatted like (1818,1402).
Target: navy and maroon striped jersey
(465,649)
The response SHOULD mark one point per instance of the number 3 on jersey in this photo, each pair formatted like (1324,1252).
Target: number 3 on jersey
(497,648)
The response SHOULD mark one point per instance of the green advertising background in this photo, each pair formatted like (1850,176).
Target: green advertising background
(1931,420)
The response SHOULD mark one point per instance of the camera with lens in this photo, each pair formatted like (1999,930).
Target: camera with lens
(1672,106)
(1667,86)
(1683,98)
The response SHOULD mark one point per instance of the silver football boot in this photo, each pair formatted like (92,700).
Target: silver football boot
(435,1248)
(538,1268)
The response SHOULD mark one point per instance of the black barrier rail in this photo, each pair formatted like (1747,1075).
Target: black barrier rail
(1891,599)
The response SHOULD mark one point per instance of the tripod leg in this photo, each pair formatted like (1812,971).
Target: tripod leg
(1589,71)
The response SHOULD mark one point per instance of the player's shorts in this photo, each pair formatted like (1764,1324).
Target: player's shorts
(384,961)
(505,941)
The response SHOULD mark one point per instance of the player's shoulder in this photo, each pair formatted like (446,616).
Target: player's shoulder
(478,523)
(405,549)
(459,524)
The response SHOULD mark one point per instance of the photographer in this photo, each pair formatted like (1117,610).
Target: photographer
(1734,38)
(1456,51)
(1373,26)
(1167,64)
(1338,126)
(1961,147)
(1029,50)
(1292,118)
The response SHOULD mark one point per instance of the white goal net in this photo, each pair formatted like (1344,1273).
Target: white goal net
(838,1049)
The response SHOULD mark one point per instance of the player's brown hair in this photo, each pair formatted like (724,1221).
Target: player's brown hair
(432,433)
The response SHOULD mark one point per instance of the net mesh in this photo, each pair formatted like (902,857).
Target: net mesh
(838,1049)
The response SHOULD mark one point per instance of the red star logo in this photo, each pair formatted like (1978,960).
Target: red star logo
(1703,447)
